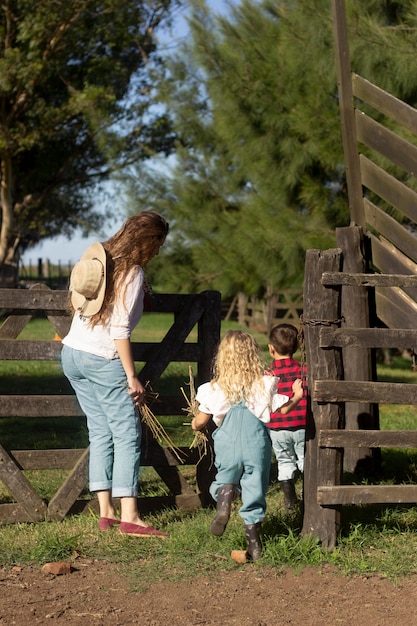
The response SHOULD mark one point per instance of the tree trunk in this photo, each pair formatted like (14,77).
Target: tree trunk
(8,264)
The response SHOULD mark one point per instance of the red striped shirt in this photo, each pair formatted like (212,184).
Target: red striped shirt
(288,370)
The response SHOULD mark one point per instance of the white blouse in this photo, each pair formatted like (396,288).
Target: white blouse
(126,314)
(213,401)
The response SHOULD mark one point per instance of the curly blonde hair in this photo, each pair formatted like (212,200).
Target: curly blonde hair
(132,246)
(238,368)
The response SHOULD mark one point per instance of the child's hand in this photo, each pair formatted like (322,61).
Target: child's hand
(297,389)
(199,421)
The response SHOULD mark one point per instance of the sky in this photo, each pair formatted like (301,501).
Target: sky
(67,251)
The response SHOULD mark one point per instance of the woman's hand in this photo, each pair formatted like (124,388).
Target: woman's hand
(136,390)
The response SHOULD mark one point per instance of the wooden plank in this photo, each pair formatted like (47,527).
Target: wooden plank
(366,494)
(67,458)
(146,505)
(39,406)
(185,353)
(395,308)
(46,459)
(391,230)
(55,301)
(209,333)
(389,260)
(363,391)
(184,501)
(331,279)
(321,465)
(13,513)
(13,326)
(60,323)
(20,488)
(28,350)
(36,299)
(401,338)
(389,188)
(158,455)
(170,303)
(389,144)
(69,491)
(384,102)
(368,438)
(166,351)
(350,148)
(67,406)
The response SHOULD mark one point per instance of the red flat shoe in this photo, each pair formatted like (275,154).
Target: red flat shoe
(105,523)
(140,531)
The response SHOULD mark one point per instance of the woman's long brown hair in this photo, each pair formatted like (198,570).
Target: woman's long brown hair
(132,245)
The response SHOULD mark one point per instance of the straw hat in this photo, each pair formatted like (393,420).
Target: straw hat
(88,281)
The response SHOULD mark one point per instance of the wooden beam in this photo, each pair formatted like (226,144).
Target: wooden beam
(321,465)
(389,144)
(389,188)
(401,338)
(357,279)
(368,438)
(366,494)
(347,114)
(362,391)
(385,102)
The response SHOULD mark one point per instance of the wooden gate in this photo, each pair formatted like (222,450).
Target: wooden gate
(327,437)
(18,307)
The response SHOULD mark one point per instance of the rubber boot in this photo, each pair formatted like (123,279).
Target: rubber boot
(225,498)
(288,489)
(254,548)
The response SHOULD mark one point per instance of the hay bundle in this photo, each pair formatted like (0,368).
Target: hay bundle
(200,440)
(156,428)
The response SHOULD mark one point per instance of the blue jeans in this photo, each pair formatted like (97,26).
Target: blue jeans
(288,446)
(114,428)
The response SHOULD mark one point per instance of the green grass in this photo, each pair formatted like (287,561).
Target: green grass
(373,539)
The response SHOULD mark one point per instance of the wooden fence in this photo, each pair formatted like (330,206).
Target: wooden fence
(358,297)
(327,342)
(263,313)
(19,306)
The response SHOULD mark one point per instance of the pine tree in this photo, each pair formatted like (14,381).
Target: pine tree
(259,172)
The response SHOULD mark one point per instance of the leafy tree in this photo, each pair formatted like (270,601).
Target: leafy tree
(74,106)
(259,174)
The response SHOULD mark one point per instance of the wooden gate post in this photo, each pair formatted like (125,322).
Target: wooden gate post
(322,466)
(357,361)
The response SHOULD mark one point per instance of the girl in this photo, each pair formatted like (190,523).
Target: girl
(107,293)
(240,398)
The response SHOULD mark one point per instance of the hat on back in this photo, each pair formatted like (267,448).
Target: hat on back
(88,281)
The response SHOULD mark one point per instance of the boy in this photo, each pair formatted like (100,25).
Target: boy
(287,431)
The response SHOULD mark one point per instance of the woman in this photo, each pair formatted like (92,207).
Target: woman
(107,293)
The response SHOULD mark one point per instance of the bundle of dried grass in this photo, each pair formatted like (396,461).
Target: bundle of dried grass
(156,428)
(200,440)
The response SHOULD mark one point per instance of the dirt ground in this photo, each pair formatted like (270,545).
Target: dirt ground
(94,594)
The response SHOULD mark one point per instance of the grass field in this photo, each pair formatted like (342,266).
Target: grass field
(373,538)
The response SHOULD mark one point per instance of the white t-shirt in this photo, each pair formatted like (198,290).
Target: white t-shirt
(125,316)
(213,401)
